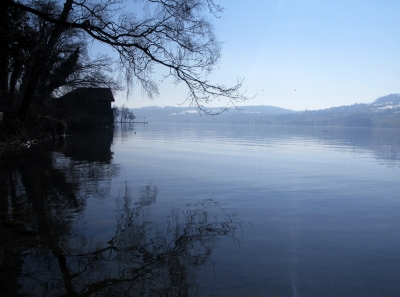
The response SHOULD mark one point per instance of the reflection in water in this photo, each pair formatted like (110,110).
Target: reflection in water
(383,143)
(93,146)
(324,208)
(46,194)
(124,130)
(141,259)
(43,192)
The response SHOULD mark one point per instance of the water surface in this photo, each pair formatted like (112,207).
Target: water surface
(212,210)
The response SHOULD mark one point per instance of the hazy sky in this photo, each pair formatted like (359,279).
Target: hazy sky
(300,54)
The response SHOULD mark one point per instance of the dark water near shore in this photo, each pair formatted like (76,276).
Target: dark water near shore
(210,210)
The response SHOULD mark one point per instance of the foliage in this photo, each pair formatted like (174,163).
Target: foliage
(40,59)
(46,52)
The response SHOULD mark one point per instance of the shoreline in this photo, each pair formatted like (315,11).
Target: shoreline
(16,145)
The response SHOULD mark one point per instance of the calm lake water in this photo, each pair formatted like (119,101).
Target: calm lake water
(170,209)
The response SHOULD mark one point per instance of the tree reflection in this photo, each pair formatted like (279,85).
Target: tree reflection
(144,257)
(49,254)
(42,193)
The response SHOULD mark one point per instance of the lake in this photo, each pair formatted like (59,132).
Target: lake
(172,209)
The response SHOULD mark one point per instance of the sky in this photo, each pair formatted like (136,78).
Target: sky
(301,54)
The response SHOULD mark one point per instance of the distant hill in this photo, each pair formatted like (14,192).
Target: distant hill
(383,112)
(262,109)
(192,114)
(392,98)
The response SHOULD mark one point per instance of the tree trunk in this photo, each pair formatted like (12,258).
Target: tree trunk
(36,85)
(4,5)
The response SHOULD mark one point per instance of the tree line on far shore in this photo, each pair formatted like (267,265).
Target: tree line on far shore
(124,114)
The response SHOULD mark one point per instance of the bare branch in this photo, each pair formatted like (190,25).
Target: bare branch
(175,34)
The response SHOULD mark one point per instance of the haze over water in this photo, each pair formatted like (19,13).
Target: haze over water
(226,210)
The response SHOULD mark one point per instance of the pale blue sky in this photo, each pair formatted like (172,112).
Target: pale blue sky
(300,54)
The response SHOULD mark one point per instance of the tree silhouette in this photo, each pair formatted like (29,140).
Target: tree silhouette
(175,35)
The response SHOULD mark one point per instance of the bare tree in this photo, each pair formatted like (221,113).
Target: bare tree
(130,116)
(39,58)
(116,112)
(124,113)
(175,34)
